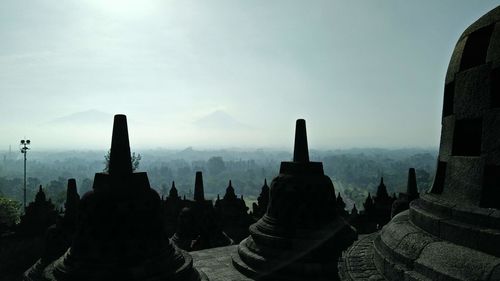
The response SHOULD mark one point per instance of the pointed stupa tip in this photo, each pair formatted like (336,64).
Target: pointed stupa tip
(230,191)
(120,160)
(71,190)
(300,151)
(199,193)
(40,196)
(265,186)
(411,188)
(173,191)
(354,210)
(230,186)
(382,189)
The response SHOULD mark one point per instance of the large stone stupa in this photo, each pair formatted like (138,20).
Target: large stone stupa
(301,235)
(452,233)
(120,232)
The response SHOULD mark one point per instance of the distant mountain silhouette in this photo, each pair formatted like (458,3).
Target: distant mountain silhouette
(84,117)
(220,120)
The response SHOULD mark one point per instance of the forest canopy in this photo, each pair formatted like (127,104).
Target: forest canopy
(354,172)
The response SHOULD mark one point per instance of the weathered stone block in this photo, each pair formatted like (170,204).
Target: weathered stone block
(446,261)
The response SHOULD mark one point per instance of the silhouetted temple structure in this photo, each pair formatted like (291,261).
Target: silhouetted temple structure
(376,212)
(368,204)
(341,207)
(354,211)
(197,226)
(364,220)
(453,231)
(120,229)
(173,206)
(301,235)
(403,202)
(232,214)
(38,216)
(260,208)
(120,232)
(382,205)
(71,206)
(43,235)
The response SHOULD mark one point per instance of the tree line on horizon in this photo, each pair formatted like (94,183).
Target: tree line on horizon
(355,173)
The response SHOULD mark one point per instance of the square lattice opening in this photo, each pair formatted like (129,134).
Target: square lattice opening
(467,137)
(476,48)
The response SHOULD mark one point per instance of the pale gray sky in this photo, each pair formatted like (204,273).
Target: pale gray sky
(227,73)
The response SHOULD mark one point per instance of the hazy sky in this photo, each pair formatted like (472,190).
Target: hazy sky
(227,73)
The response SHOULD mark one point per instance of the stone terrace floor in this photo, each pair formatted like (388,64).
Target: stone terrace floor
(357,262)
(356,265)
(216,263)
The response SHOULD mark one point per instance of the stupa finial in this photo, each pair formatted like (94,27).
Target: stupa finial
(120,161)
(411,188)
(199,193)
(300,151)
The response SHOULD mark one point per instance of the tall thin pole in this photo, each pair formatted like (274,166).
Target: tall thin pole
(24,179)
(24,150)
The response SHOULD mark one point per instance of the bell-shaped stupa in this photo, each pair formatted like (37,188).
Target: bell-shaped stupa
(120,232)
(453,231)
(301,235)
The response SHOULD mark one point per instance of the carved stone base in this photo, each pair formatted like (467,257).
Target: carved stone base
(177,267)
(403,251)
(313,256)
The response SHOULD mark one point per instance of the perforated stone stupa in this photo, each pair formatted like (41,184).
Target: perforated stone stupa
(120,233)
(453,231)
(301,235)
